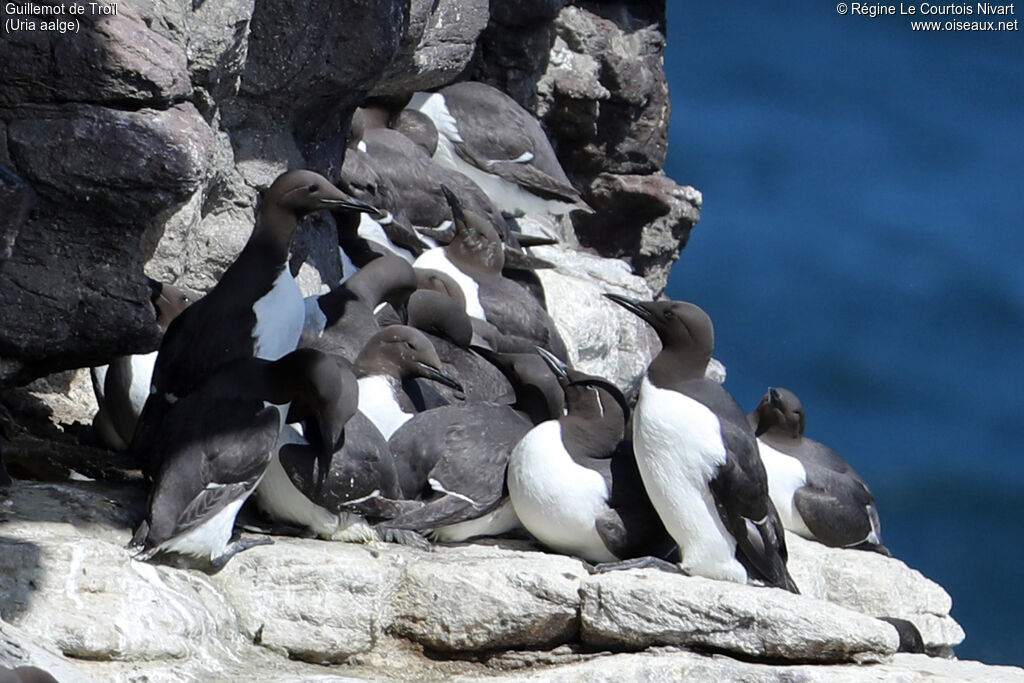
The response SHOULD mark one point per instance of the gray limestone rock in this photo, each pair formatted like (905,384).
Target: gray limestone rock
(640,609)
(611,115)
(18,198)
(111,59)
(480,598)
(68,584)
(602,338)
(594,77)
(644,219)
(121,166)
(438,43)
(671,665)
(77,584)
(73,292)
(873,584)
(309,65)
(18,648)
(309,600)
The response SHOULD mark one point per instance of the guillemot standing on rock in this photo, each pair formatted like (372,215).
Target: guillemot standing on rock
(454,458)
(122,387)
(485,134)
(574,483)
(698,456)
(474,259)
(330,483)
(255,309)
(818,495)
(394,354)
(214,445)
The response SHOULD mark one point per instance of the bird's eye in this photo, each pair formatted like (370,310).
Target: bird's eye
(186,300)
(409,345)
(313,188)
(668,315)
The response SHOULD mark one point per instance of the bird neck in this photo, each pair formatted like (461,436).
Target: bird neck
(599,436)
(677,365)
(274,230)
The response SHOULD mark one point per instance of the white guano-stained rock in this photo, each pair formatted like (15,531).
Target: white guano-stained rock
(75,582)
(304,609)
(18,648)
(633,610)
(310,600)
(602,338)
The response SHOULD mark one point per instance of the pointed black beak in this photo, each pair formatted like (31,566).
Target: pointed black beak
(156,288)
(559,368)
(332,428)
(453,201)
(350,203)
(632,305)
(440,376)
(774,399)
(535,240)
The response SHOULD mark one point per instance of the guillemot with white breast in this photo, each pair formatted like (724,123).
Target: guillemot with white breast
(454,458)
(394,354)
(474,259)
(213,448)
(255,309)
(485,134)
(818,494)
(574,482)
(698,456)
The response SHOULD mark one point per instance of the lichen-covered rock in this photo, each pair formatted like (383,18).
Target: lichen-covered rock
(610,116)
(593,73)
(213,36)
(638,609)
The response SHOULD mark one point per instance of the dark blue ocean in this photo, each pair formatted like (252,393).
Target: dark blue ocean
(862,243)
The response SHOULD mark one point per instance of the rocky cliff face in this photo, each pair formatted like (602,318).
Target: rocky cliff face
(137,146)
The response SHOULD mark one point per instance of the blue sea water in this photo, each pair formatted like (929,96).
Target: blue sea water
(862,244)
